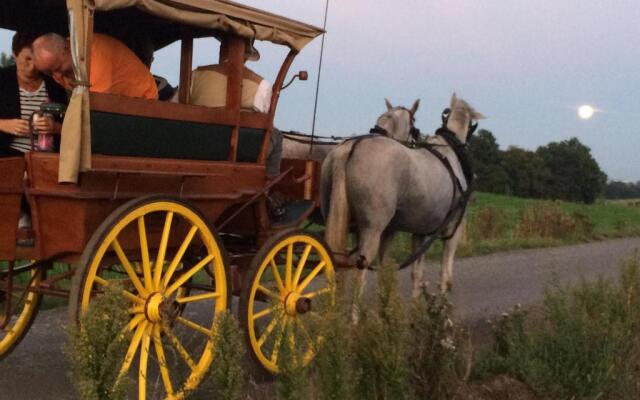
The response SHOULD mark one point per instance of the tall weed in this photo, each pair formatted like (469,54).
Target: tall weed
(226,378)
(488,223)
(439,360)
(334,361)
(585,345)
(548,220)
(380,347)
(96,348)
(293,378)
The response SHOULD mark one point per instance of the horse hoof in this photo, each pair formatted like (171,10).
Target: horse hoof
(446,288)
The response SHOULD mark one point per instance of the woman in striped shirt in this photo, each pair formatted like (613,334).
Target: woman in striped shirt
(22,90)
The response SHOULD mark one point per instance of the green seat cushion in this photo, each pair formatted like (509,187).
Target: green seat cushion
(134,136)
(249,144)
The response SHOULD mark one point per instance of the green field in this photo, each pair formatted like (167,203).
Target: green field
(498,222)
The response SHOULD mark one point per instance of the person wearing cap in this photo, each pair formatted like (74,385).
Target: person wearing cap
(209,88)
(209,84)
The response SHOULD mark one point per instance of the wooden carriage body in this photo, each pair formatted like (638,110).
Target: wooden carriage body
(166,203)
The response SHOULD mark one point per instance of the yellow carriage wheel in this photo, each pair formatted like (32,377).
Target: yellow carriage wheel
(162,256)
(289,283)
(19,307)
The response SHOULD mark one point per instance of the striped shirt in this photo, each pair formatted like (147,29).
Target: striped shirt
(29,103)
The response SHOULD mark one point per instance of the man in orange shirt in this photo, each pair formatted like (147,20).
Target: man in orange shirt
(114,68)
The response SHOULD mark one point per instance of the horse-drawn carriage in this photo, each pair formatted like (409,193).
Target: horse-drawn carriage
(164,202)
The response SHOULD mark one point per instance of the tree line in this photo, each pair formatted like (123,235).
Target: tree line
(622,190)
(563,170)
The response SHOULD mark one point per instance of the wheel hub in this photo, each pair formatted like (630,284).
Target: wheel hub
(154,307)
(295,304)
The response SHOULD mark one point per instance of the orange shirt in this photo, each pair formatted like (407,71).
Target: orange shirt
(117,70)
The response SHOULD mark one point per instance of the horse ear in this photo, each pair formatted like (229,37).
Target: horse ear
(389,106)
(415,106)
(476,115)
(454,99)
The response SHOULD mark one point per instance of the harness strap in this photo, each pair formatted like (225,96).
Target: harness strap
(377,129)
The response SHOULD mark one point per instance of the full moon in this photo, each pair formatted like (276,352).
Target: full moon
(585,111)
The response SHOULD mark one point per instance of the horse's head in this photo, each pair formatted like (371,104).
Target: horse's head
(398,122)
(460,118)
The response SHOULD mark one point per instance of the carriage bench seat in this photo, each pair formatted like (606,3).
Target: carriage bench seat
(122,126)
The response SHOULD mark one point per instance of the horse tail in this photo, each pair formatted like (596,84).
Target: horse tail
(335,204)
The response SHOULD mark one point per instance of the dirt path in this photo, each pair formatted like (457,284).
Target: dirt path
(483,286)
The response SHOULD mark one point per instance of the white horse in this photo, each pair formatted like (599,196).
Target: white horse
(385,187)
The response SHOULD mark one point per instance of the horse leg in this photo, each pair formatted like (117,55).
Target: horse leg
(417,269)
(446,265)
(385,244)
(368,244)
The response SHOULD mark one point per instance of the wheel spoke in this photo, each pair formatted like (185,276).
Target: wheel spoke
(144,250)
(276,275)
(301,263)
(289,266)
(310,277)
(278,343)
(125,293)
(265,334)
(185,277)
(320,292)
(144,359)
(306,335)
(262,313)
(135,321)
(268,292)
(198,297)
(162,361)
(178,257)
(162,250)
(194,326)
(136,310)
(179,347)
(128,268)
(133,348)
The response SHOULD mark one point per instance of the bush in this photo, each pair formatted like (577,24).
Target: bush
(97,346)
(293,379)
(439,362)
(380,347)
(226,379)
(487,224)
(546,220)
(585,345)
(334,361)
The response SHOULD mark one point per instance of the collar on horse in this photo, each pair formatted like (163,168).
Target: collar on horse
(413,131)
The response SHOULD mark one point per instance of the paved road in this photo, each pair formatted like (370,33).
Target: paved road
(483,286)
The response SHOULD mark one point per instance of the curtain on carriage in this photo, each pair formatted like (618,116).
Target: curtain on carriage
(75,143)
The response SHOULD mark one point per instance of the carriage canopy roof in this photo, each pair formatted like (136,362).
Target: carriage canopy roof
(163,17)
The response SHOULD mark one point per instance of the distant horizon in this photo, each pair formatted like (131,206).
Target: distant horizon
(527,66)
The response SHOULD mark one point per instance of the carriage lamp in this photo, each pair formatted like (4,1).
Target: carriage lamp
(302,75)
